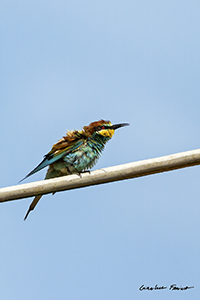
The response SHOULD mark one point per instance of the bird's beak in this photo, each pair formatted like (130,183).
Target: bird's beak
(116,126)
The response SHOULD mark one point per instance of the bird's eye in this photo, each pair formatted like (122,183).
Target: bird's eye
(103,127)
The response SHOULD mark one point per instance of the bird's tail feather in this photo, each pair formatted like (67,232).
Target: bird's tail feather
(32,206)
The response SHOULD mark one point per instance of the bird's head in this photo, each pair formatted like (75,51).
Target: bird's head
(103,128)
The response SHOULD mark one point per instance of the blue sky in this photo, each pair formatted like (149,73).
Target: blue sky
(65,64)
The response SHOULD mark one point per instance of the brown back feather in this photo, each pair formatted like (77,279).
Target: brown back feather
(73,136)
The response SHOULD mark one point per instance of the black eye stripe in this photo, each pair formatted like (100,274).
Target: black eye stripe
(102,127)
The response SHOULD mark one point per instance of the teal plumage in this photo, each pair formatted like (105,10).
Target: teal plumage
(76,152)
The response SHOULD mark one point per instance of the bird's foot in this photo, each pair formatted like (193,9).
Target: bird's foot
(86,171)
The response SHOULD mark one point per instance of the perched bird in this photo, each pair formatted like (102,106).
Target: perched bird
(76,152)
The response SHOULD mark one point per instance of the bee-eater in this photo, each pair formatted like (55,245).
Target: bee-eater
(76,152)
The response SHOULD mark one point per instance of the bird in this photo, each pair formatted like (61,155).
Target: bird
(76,152)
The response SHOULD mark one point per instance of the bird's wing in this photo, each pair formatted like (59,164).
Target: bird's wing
(61,148)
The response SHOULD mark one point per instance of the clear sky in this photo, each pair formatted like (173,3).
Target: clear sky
(64,64)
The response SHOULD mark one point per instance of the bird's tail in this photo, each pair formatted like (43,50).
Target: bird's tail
(32,206)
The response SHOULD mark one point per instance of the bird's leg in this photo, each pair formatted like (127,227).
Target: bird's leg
(85,171)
